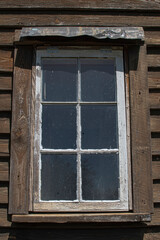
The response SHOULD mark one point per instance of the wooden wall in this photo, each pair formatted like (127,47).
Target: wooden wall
(14,15)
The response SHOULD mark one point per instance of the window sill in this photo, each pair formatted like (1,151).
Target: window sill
(92,217)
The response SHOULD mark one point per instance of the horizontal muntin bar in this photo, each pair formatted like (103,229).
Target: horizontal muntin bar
(72,151)
(54,103)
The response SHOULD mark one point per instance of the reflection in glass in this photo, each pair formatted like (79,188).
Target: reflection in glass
(98,80)
(59,79)
(59,126)
(100,177)
(58,177)
(99,126)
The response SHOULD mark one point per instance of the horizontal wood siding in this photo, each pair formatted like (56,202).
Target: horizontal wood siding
(153,60)
(13,15)
(64,19)
(6,71)
(4,170)
(81,4)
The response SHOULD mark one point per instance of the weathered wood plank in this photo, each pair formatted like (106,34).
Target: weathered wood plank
(6,60)
(140,131)
(155,123)
(4,222)
(3,193)
(151,235)
(156,170)
(5,82)
(81,4)
(96,19)
(154,100)
(20,137)
(156,193)
(92,217)
(4,125)
(5,102)
(6,37)
(4,236)
(4,147)
(153,60)
(155,217)
(155,145)
(4,168)
(154,80)
(152,37)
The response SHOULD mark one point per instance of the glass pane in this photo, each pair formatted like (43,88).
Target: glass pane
(98,80)
(100,177)
(59,126)
(58,177)
(59,79)
(99,126)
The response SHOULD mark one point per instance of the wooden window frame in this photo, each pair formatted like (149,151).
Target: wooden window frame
(84,206)
(21,175)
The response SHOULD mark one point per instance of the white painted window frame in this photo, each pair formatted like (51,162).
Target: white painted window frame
(85,206)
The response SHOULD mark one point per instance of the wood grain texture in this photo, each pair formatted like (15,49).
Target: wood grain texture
(155,123)
(4,147)
(68,218)
(81,4)
(5,82)
(155,145)
(153,60)
(4,125)
(6,60)
(156,193)
(4,222)
(4,171)
(6,37)
(155,217)
(97,19)
(4,193)
(152,37)
(140,131)
(20,137)
(154,100)
(154,80)
(5,102)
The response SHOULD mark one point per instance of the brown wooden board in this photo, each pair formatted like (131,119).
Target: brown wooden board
(81,4)
(97,19)
(154,100)
(156,216)
(20,138)
(4,170)
(156,193)
(6,60)
(5,82)
(6,37)
(4,192)
(4,124)
(152,37)
(153,60)
(155,123)
(5,101)
(140,131)
(156,170)
(4,147)
(4,222)
(154,80)
(155,145)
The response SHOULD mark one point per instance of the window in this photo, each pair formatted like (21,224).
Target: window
(33,149)
(80,132)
